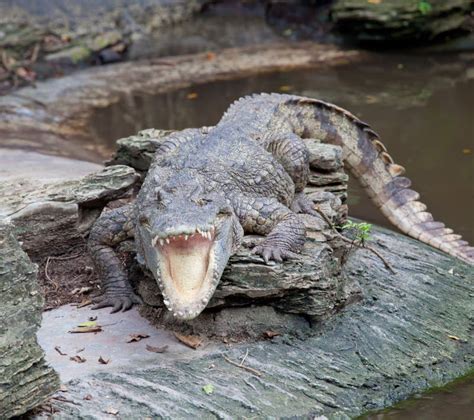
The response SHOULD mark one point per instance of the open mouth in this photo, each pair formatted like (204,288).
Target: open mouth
(186,265)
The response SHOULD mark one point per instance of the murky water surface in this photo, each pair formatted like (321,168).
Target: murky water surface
(422,107)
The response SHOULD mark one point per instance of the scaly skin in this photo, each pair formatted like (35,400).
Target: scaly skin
(246,174)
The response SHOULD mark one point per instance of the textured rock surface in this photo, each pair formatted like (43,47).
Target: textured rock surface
(400,20)
(25,379)
(48,218)
(369,356)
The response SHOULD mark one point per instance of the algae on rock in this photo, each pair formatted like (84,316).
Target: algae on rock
(400,20)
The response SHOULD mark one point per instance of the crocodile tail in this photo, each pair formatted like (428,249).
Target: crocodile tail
(368,159)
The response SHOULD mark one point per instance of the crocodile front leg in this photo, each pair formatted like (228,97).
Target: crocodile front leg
(291,151)
(285,232)
(108,231)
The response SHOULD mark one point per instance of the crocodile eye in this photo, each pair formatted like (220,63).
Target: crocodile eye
(143,220)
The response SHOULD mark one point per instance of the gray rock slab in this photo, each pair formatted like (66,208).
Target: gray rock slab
(398,341)
(41,168)
(25,379)
(110,344)
(51,217)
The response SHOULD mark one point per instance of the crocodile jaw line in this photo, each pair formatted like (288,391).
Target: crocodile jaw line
(186,264)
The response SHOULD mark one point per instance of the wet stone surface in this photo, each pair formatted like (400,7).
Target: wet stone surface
(371,355)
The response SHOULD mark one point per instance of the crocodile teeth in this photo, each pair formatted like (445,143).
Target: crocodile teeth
(162,242)
(186,237)
(167,240)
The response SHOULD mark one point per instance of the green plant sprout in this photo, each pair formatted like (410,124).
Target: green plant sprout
(360,230)
(424,7)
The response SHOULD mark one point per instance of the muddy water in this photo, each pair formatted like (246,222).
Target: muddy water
(422,107)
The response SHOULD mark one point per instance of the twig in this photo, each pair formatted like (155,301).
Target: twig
(248,369)
(243,359)
(63,399)
(68,257)
(56,286)
(359,245)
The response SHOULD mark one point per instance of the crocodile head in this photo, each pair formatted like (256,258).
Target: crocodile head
(186,238)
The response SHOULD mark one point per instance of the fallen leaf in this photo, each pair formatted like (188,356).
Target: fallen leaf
(137,337)
(58,349)
(78,330)
(453,337)
(63,388)
(112,411)
(103,361)
(82,290)
(88,324)
(271,334)
(374,1)
(370,99)
(208,389)
(210,56)
(77,359)
(154,349)
(85,303)
(466,151)
(192,95)
(88,397)
(190,340)
(285,88)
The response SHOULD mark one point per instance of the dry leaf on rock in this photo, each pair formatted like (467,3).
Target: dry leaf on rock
(154,349)
(270,334)
(103,361)
(79,330)
(137,337)
(112,411)
(77,359)
(58,349)
(192,341)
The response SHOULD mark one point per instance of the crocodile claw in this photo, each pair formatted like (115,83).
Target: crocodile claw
(269,253)
(122,301)
(302,204)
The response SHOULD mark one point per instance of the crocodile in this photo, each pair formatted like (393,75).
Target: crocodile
(206,187)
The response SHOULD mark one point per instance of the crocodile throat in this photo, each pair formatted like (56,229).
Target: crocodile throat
(187,265)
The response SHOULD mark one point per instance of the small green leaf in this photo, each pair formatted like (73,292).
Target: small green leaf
(208,389)
(424,7)
(88,324)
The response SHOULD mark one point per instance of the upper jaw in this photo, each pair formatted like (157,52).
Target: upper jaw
(183,234)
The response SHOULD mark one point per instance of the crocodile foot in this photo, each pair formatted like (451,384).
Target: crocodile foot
(302,204)
(121,300)
(272,252)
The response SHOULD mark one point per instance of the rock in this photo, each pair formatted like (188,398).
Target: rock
(137,151)
(371,355)
(309,287)
(52,217)
(25,379)
(324,157)
(405,21)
